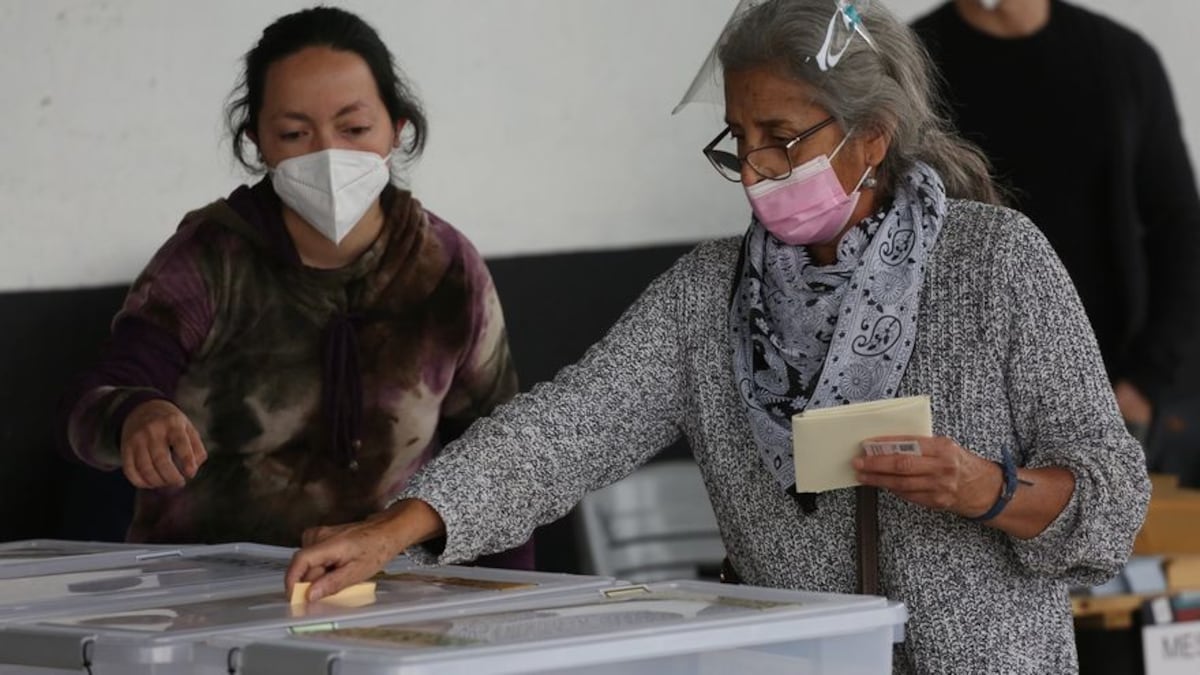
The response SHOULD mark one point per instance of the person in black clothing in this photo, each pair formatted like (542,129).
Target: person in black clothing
(1078,118)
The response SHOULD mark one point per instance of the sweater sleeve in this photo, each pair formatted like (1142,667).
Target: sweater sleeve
(165,319)
(1065,416)
(1169,209)
(536,457)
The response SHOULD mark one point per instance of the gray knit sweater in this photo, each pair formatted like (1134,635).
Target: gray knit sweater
(1006,354)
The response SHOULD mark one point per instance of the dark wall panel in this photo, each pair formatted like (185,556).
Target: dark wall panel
(556,306)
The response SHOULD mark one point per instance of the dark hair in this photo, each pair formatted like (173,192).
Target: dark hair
(321,27)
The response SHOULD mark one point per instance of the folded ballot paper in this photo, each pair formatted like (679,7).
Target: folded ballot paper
(825,441)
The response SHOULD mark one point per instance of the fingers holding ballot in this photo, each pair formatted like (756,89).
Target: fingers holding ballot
(890,444)
(351,556)
(934,472)
(825,441)
(335,558)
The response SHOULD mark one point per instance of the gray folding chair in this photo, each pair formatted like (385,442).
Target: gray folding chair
(653,525)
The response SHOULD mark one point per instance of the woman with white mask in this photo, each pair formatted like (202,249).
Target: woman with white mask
(299,349)
(877,265)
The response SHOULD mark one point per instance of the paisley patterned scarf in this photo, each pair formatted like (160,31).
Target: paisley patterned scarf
(808,336)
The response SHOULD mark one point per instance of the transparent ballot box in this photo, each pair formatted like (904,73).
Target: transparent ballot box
(76,584)
(158,635)
(40,556)
(679,627)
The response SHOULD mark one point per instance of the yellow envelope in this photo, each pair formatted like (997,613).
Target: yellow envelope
(826,441)
(356,595)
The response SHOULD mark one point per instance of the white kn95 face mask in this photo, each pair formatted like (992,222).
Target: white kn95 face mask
(331,189)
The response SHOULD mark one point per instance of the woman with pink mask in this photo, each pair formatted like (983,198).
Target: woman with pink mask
(299,349)
(877,265)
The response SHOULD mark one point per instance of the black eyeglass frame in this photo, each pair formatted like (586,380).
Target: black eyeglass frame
(712,154)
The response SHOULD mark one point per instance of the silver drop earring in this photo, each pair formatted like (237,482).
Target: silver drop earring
(869,182)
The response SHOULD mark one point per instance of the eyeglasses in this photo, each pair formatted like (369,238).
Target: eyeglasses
(772,162)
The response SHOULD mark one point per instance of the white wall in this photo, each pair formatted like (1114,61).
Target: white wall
(550,119)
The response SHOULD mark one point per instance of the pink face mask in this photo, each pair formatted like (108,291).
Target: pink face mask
(808,207)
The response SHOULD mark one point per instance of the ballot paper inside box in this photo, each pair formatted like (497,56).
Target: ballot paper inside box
(826,441)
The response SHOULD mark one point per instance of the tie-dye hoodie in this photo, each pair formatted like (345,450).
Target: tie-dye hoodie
(228,324)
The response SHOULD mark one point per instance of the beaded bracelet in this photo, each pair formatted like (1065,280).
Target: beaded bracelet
(1010,488)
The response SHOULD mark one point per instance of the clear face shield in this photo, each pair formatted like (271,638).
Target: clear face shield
(845,24)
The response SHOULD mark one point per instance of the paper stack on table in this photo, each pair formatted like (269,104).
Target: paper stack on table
(825,441)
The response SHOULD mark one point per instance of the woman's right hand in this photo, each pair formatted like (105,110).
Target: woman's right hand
(339,556)
(159,446)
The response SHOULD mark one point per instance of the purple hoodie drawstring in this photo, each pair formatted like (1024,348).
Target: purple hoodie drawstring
(342,389)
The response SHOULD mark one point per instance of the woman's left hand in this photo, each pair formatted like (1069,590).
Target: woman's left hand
(944,477)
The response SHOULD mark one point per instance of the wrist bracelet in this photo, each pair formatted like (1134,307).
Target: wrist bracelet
(1009,467)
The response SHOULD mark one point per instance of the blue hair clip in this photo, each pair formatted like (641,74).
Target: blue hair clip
(855,20)
(845,23)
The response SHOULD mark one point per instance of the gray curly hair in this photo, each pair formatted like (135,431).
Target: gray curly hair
(890,91)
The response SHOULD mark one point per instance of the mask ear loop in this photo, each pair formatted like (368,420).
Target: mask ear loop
(839,145)
(861,181)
